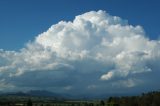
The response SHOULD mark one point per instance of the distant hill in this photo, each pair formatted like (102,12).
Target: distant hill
(34,93)
(43,93)
(14,94)
(56,96)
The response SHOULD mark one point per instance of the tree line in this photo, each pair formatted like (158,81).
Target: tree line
(146,99)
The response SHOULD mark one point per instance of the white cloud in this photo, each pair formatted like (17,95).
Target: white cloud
(68,87)
(126,83)
(107,76)
(95,47)
(5,85)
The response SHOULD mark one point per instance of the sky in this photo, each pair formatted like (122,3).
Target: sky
(80,46)
(22,20)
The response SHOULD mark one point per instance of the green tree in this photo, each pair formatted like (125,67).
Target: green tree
(29,102)
(102,103)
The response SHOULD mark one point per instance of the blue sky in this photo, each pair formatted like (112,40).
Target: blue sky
(22,20)
(80,46)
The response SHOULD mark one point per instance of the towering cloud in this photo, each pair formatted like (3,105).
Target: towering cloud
(96,51)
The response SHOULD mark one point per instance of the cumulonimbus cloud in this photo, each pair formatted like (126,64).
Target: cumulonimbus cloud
(95,44)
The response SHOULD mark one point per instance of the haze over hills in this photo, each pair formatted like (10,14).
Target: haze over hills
(61,96)
(39,93)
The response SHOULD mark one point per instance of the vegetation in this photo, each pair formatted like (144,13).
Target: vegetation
(146,99)
(29,103)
